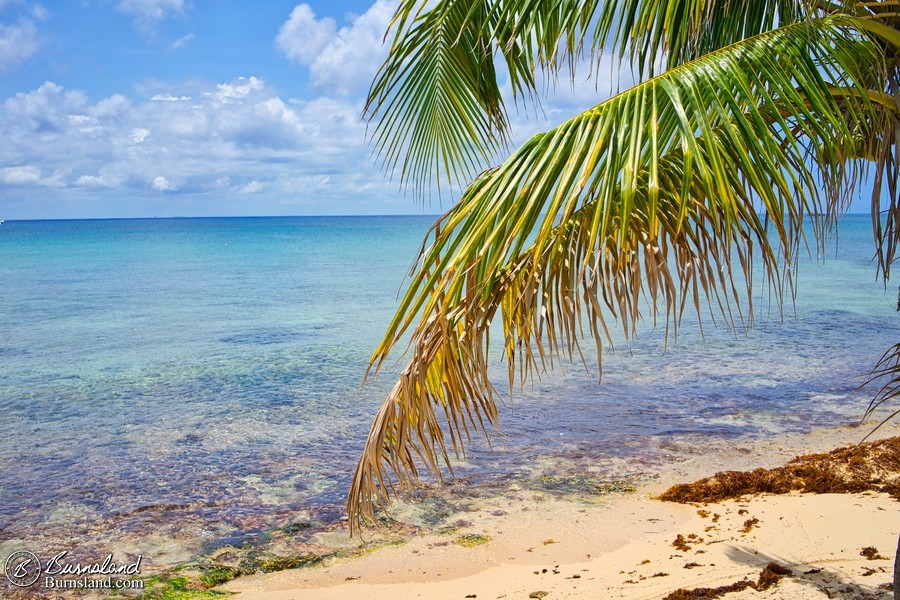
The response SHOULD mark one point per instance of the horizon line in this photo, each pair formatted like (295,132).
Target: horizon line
(186,217)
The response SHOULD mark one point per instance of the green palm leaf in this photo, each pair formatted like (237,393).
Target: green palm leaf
(637,208)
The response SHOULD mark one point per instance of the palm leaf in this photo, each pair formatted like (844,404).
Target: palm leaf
(435,102)
(444,52)
(640,207)
(887,374)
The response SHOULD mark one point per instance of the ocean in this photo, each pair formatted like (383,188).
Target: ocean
(177,383)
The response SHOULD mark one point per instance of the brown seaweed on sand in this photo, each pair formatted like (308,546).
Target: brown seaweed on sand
(871,466)
(768,577)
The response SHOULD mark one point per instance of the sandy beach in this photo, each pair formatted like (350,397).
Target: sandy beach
(532,545)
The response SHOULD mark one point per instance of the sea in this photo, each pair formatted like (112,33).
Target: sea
(178,383)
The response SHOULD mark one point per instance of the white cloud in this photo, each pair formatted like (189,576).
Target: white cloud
(115,106)
(169,98)
(237,89)
(252,187)
(341,62)
(147,13)
(45,109)
(302,37)
(96,181)
(161,184)
(18,42)
(139,134)
(183,40)
(23,175)
(237,138)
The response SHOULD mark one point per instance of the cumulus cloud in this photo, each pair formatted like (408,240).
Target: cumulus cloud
(47,108)
(340,61)
(302,37)
(161,184)
(235,137)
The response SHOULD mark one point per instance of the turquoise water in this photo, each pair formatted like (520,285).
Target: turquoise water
(201,377)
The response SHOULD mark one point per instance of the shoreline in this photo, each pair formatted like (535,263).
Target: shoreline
(517,544)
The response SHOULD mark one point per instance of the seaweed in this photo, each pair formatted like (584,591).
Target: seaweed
(470,540)
(749,524)
(871,553)
(213,575)
(166,587)
(709,593)
(870,466)
(280,563)
(681,544)
(768,577)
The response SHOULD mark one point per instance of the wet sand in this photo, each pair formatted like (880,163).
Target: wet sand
(531,544)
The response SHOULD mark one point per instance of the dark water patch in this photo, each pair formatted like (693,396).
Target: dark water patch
(238,539)
(9,352)
(164,507)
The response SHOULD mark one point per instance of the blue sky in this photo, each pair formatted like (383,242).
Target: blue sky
(141,108)
(119,108)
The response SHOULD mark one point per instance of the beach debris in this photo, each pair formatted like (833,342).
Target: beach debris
(550,541)
(692,565)
(870,466)
(703,513)
(681,544)
(768,577)
(871,553)
(538,594)
(749,524)
(771,574)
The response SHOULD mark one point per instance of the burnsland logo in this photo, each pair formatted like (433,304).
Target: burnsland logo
(23,569)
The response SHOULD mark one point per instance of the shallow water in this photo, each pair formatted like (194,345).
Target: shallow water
(196,379)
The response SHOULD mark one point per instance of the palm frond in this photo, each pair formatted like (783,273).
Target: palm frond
(435,103)
(640,207)
(886,373)
(674,32)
